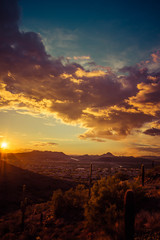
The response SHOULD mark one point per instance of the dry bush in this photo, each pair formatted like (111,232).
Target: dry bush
(122,176)
(69,205)
(105,208)
(147,220)
(9,236)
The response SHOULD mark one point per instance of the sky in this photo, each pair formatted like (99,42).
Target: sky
(81,77)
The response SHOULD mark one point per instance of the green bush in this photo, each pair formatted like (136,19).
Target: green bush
(58,203)
(106,204)
(104,208)
(70,204)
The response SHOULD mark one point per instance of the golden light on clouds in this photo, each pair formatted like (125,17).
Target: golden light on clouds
(96,103)
(82,73)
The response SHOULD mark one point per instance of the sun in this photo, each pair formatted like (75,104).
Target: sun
(4,145)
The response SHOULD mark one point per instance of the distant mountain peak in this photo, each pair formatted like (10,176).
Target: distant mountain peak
(108,154)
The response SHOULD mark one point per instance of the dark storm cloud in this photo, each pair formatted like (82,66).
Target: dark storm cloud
(149,149)
(9,15)
(109,104)
(152,132)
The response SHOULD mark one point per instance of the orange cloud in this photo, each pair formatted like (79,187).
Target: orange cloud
(44,144)
(81,57)
(147,99)
(82,73)
(156,56)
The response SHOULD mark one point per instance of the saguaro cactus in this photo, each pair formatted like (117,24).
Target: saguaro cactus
(24,191)
(23,209)
(129,215)
(90,180)
(142,174)
(41,219)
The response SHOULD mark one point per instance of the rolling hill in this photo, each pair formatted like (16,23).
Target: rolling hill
(38,187)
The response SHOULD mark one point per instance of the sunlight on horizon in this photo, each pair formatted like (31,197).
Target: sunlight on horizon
(4,145)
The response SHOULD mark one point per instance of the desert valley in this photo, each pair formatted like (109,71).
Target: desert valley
(41,178)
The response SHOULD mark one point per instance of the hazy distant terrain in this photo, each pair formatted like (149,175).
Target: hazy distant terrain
(77,167)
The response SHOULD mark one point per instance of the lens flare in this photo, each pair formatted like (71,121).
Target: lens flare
(4,145)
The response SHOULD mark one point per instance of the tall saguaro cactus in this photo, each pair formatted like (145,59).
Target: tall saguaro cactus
(41,219)
(24,191)
(142,174)
(90,180)
(129,215)
(23,210)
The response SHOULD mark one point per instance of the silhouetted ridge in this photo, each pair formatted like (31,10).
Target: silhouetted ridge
(43,154)
(108,154)
(39,187)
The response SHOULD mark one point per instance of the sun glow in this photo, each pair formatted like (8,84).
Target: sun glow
(4,145)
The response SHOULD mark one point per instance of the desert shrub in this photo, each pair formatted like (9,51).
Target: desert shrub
(4,228)
(9,236)
(147,220)
(153,173)
(58,204)
(70,204)
(106,204)
(122,176)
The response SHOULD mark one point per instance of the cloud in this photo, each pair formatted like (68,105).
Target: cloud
(60,41)
(109,104)
(94,66)
(149,149)
(79,58)
(152,132)
(113,124)
(82,60)
(147,99)
(50,124)
(142,149)
(98,140)
(44,144)
(156,57)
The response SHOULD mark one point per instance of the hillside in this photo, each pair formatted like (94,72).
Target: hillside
(38,187)
(44,155)
(70,215)
(24,158)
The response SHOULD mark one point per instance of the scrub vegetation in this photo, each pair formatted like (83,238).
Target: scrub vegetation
(73,214)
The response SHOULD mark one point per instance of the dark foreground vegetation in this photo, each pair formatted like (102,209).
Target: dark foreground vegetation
(71,214)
